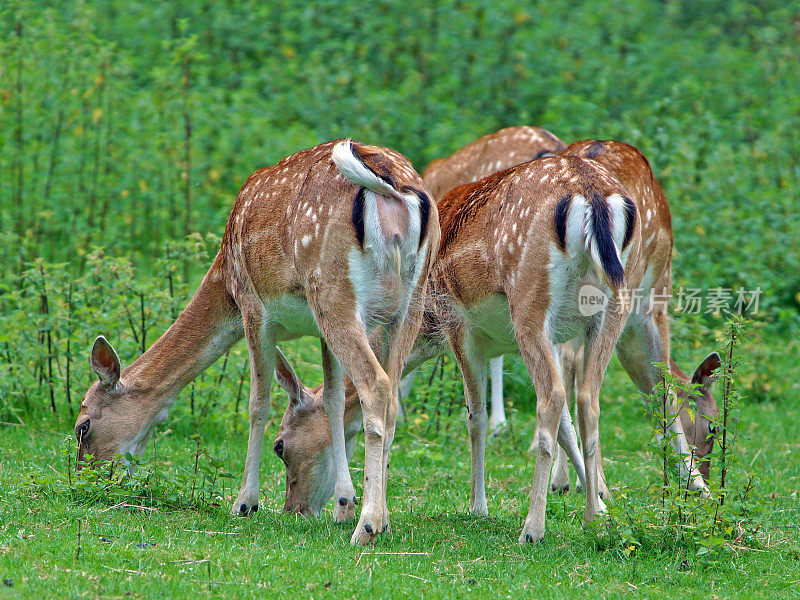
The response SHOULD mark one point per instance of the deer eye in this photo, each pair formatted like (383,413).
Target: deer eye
(278,448)
(712,429)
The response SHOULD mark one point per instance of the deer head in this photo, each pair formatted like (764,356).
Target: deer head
(701,428)
(304,441)
(112,420)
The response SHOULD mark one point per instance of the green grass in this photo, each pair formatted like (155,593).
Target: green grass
(436,550)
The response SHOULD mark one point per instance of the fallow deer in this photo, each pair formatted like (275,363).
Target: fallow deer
(335,242)
(503,149)
(516,248)
(646,338)
(485,156)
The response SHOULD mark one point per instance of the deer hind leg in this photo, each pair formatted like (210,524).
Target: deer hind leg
(580,485)
(472,364)
(598,348)
(375,394)
(344,493)
(391,423)
(497,420)
(262,361)
(348,341)
(398,341)
(539,356)
(568,447)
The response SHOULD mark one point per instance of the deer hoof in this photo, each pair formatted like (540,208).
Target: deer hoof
(531,536)
(365,533)
(344,510)
(245,510)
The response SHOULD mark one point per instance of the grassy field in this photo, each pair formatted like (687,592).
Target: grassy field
(126,129)
(176,546)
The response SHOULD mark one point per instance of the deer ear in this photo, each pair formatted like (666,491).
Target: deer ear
(704,373)
(286,378)
(105,362)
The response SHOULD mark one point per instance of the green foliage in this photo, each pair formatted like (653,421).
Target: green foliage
(128,126)
(670,518)
(132,482)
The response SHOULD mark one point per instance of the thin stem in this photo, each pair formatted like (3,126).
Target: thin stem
(726,401)
(19,136)
(187,159)
(67,381)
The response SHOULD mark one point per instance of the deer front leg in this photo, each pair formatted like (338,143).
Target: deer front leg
(262,361)
(559,479)
(473,372)
(497,420)
(344,493)
(689,473)
(644,342)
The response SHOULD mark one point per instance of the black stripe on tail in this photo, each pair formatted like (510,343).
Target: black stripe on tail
(562,210)
(602,230)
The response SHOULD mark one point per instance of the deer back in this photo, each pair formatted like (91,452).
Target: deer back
(498,233)
(489,154)
(631,167)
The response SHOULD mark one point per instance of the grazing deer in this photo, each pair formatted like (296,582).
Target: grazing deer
(485,156)
(516,248)
(699,426)
(646,339)
(336,242)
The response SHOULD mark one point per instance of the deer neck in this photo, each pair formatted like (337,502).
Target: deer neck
(208,326)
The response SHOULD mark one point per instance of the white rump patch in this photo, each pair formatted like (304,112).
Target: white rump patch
(580,236)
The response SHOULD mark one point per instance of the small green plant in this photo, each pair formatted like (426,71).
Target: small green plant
(131,481)
(669,517)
